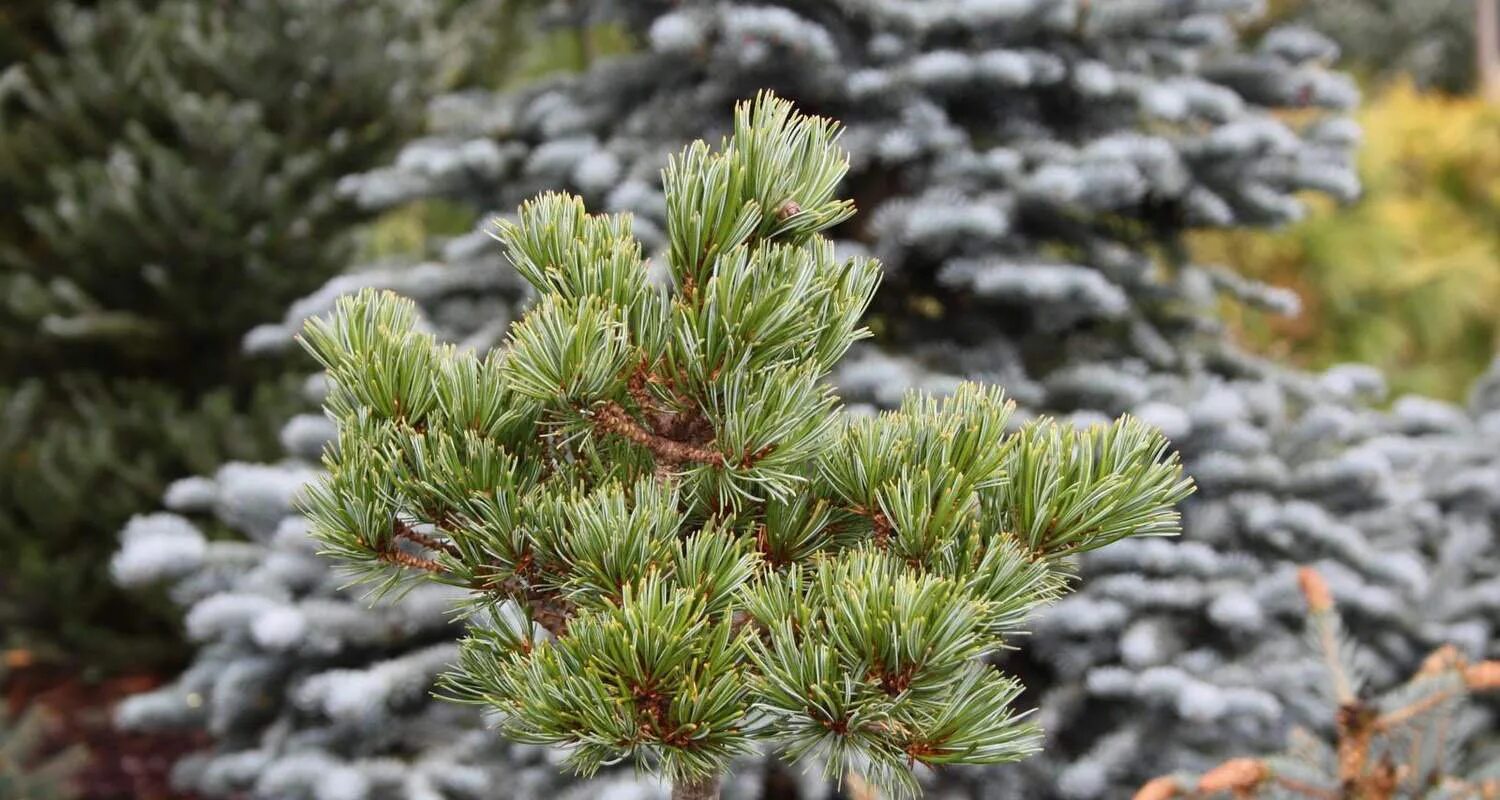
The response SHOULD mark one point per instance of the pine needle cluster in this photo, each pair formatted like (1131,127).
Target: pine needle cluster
(680,548)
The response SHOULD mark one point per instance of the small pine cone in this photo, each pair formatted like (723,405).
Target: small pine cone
(1234,775)
(1483,677)
(788,210)
(1163,788)
(1315,589)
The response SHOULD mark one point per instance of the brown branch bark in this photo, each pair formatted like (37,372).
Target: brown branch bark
(674,437)
(612,418)
(696,790)
(883,529)
(407,532)
(401,558)
(1482,677)
(1356,724)
(1238,775)
(657,420)
(548,609)
(1242,776)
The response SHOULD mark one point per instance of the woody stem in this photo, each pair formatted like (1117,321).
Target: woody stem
(705,789)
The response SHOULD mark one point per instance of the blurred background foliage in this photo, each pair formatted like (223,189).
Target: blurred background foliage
(170,171)
(1407,278)
(23,30)
(30,768)
(1428,42)
(167,170)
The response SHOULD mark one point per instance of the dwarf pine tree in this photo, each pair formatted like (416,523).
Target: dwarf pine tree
(677,545)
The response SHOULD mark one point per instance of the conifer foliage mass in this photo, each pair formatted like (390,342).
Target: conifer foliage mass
(677,544)
(168,170)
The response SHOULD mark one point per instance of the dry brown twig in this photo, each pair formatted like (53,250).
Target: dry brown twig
(1359,726)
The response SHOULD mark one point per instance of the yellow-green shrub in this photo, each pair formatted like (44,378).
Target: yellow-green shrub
(1408,278)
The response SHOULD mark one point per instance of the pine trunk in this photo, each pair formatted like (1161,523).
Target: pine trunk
(696,790)
(1487,46)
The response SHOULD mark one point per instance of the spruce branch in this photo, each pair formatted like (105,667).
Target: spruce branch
(1368,731)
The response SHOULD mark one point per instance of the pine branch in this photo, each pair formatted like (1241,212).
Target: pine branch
(398,557)
(547,609)
(880,525)
(657,420)
(613,418)
(407,532)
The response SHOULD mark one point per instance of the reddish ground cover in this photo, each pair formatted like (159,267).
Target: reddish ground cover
(120,765)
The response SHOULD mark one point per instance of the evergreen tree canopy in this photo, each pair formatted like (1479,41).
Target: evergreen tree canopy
(1430,42)
(677,544)
(168,170)
(166,160)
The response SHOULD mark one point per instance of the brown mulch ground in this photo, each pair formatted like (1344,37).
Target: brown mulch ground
(120,765)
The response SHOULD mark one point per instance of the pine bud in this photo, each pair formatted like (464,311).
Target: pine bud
(1484,676)
(1163,788)
(1442,659)
(1315,589)
(788,210)
(1234,775)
